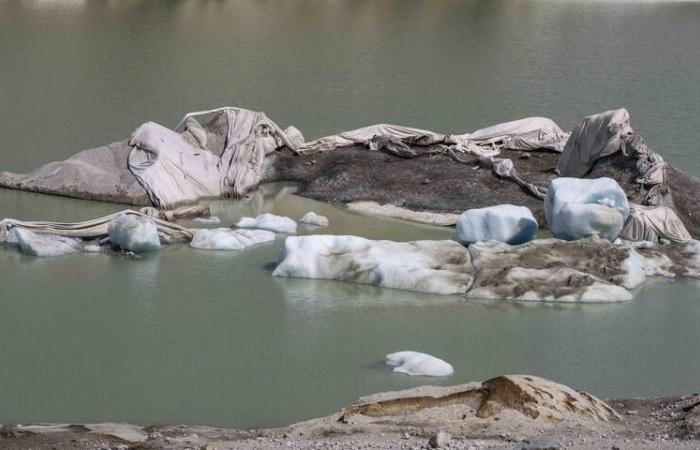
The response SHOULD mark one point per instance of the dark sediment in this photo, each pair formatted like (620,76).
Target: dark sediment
(436,182)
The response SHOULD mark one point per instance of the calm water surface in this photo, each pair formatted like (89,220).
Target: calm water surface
(209,337)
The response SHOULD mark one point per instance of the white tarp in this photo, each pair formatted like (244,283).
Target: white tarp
(524,134)
(174,171)
(647,223)
(594,137)
(363,136)
(530,133)
(92,229)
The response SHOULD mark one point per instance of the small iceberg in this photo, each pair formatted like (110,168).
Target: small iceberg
(435,267)
(133,233)
(504,223)
(419,364)
(577,208)
(271,222)
(311,218)
(227,239)
(43,245)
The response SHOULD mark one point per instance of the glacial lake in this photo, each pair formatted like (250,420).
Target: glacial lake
(197,337)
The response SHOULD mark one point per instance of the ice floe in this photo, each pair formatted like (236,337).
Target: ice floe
(505,223)
(271,222)
(438,267)
(44,245)
(311,218)
(227,239)
(419,364)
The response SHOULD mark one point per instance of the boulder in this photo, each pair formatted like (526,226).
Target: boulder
(134,233)
(437,267)
(505,223)
(311,218)
(44,245)
(227,239)
(419,364)
(578,208)
(271,222)
(518,399)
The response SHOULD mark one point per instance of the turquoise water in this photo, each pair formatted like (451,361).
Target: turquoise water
(185,336)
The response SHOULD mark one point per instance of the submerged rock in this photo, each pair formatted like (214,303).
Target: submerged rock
(227,239)
(213,220)
(44,245)
(437,267)
(419,364)
(134,233)
(578,208)
(311,218)
(505,223)
(271,222)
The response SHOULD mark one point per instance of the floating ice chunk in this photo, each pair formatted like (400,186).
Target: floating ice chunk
(577,208)
(267,221)
(505,223)
(44,245)
(438,267)
(134,233)
(92,248)
(311,218)
(213,220)
(419,364)
(227,239)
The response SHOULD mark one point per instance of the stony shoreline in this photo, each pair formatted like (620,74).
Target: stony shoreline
(541,415)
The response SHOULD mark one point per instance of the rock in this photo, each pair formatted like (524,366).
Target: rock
(522,400)
(227,239)
(505,223)
(539,443)
(437,267)
(578,208)
(311,218)
(134,233)
(271,222)
(213,220)
(43,245)
(440,439)
(419,364)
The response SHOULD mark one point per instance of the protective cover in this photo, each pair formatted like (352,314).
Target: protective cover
(166,168)
(175,172)
(93,229)
(363,136)
(594,137)
(530,133)
(648,223)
